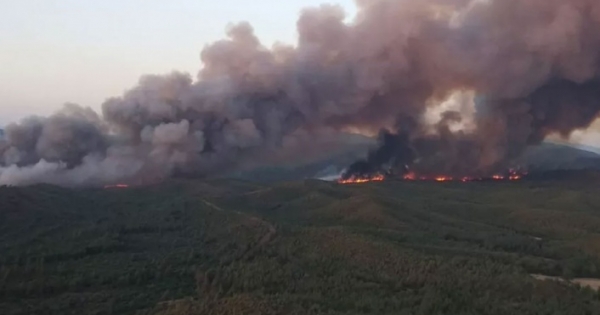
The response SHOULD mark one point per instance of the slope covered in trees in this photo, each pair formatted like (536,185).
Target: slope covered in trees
(311,247)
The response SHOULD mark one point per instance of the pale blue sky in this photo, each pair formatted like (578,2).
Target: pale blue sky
(83,51)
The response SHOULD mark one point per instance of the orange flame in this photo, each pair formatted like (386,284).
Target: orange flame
(410,176)
(362,180)
(513,175)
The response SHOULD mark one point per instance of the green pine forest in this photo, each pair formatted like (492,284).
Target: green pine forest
(306,247)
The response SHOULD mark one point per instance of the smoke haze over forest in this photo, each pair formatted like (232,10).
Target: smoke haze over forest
(457,86)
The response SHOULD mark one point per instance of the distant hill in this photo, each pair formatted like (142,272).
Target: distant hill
(547,156)
(553,156)
(351,148)
(587,148)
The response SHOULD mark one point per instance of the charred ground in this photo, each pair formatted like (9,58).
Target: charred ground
(307,247)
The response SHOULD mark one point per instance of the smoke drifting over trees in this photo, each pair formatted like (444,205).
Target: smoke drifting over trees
(532,65)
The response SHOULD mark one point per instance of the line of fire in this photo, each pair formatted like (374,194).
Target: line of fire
(511,175)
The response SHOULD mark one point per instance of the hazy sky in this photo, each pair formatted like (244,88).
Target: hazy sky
(83,51)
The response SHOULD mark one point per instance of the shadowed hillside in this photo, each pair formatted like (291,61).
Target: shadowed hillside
(544,157)
(309,247)
(550,156)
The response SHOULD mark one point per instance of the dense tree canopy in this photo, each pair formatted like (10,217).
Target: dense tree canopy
(231,247)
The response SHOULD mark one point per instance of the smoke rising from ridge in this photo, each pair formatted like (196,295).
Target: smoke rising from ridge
(533,64)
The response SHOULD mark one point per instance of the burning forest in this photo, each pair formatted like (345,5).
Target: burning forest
(511,175)
(457,87)
(395,156)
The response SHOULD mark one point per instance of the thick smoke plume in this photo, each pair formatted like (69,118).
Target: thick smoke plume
(393,154)
(531,65)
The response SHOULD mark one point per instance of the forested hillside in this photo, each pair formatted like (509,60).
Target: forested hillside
(310,247)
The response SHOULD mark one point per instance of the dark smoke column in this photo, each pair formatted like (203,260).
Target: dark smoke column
(394,153)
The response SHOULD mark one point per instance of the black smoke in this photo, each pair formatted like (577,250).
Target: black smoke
(393,154)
